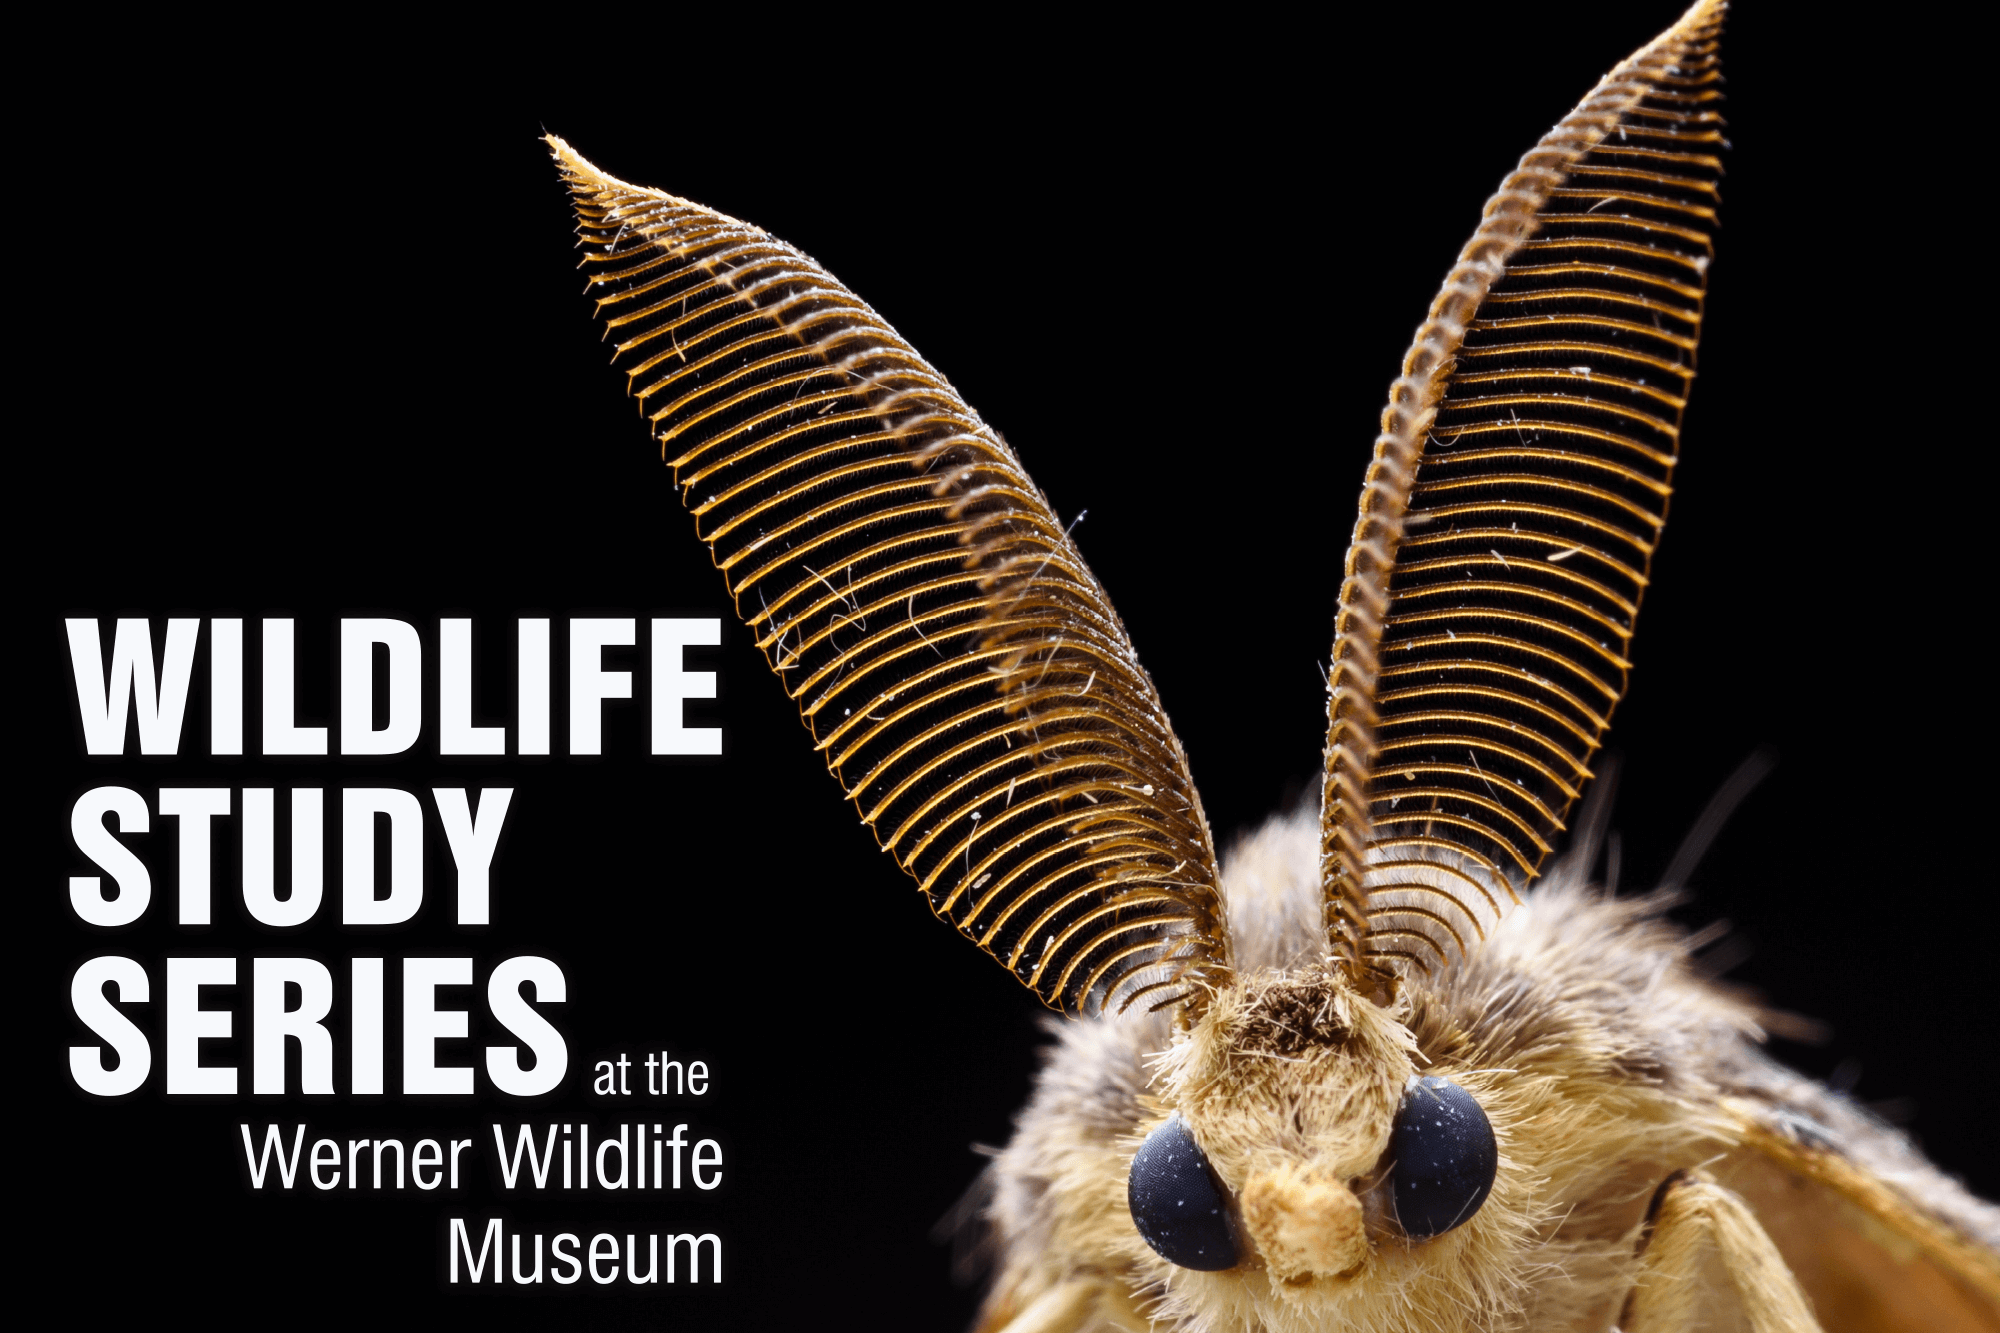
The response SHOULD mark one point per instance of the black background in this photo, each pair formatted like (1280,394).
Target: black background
(309,341)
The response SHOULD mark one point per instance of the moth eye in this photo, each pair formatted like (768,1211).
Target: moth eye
(1444,1155)
(1176,1204)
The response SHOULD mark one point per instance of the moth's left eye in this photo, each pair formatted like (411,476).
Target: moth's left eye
(1176,1204)
(1445,1158)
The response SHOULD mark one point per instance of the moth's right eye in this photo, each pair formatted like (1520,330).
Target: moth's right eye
(1445,1157)
(1176,1204)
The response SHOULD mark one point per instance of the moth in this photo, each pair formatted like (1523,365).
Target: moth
(1391,1064)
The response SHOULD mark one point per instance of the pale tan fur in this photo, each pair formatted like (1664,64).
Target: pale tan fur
(1710,1266)
(1303,1222)
(1605,1063)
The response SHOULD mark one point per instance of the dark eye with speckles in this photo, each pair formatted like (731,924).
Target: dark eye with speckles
(1444,1155)
(1176,1204)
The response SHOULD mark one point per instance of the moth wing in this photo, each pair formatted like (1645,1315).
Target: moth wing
(958,666)
(1881,1241)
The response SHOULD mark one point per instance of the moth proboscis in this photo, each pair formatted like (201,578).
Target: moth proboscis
(1390,1066)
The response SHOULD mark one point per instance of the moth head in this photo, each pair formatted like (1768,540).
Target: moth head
(1299,1160)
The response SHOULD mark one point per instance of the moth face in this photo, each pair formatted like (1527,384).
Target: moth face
(1301,1167)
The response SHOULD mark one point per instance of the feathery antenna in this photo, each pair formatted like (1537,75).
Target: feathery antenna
(1509,519)
(957,664)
